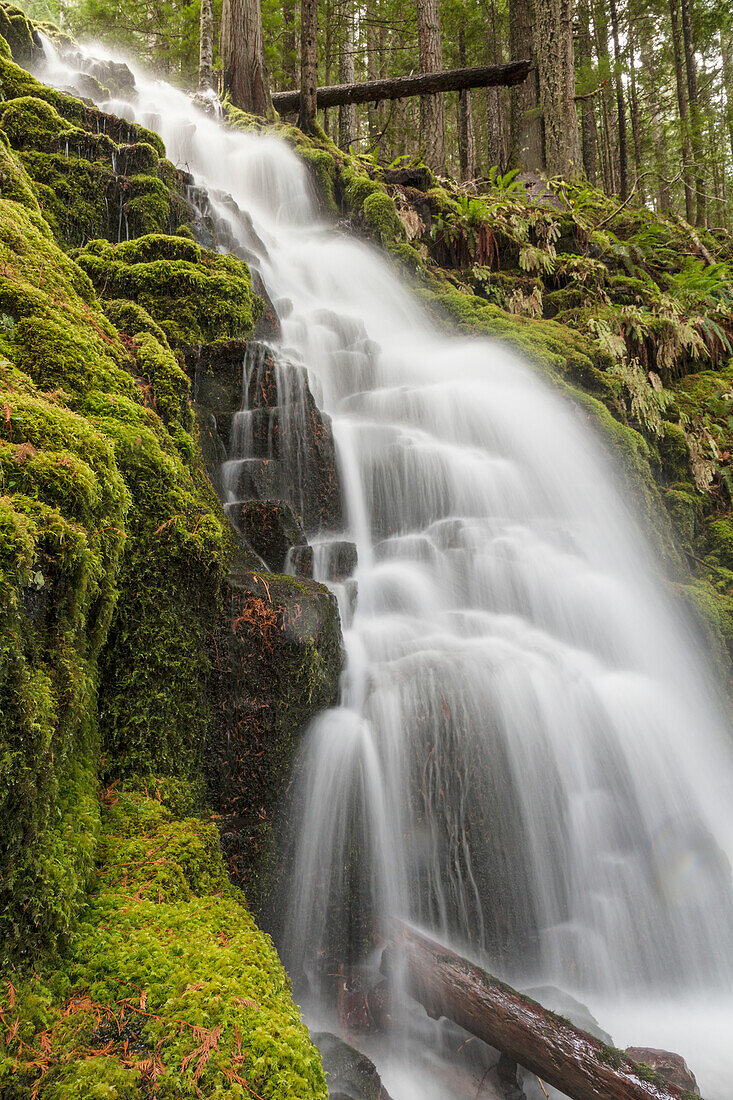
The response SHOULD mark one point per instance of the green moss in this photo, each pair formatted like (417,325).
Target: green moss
(323,166)
(168,982)
(378,211)
(195,296)
(18,33)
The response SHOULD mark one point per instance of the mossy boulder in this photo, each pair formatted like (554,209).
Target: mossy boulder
(168,984)
(194,296)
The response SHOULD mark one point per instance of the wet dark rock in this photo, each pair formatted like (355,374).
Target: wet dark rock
(341,560)
(299,561)
(212,448)
(256,479)
(276,661)
(349,1073)
(114,75)
(672,1067)
(270,527)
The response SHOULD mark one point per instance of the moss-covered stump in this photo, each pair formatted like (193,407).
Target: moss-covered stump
(168,988)
(278,660)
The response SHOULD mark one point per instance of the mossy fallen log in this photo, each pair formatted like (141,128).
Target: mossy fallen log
(548,1045)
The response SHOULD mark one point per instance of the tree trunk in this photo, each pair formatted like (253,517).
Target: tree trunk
(555,54)
(466,147)
(648,61)
(401,87)
(308,64)
(432,107)
(495,123)
(623,153)
(635,122)
(682,103)
(347,111)
(726,50)
(244,75)
(695,113)
(588,127)
(610,142)
(290,52)
(525,141)
(560,1054)
(206,47)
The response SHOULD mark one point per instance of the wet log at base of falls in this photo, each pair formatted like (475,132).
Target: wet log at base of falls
(547,1045)
(401,87)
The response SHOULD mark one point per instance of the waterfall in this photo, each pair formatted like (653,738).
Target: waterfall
(528,758)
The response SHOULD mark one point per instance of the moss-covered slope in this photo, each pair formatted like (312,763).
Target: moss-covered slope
(114,553)
(168,989)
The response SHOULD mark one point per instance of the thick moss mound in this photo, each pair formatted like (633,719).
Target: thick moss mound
(112,559)
(195,296)
(168,988)
(95,175)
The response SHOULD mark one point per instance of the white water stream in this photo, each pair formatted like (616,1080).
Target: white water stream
(528,758)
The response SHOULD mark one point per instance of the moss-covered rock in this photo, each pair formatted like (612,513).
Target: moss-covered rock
(195,296)
(168,984)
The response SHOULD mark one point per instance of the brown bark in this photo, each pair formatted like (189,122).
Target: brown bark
(466,147)
(695,113)
(608,121)
(726,50)
(560,1054)
(290,52)
(635,120)
(555,53)
(432,107)
(588,127)
(400,87)
(495,109)
(525,141)
(682,104)
(308,64)
(244,75)
(347,111)
(206,46)
(623,153)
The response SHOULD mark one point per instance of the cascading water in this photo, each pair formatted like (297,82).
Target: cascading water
(526,759)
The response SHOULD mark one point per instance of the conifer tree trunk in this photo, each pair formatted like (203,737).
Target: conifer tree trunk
(682,104)
(308,64)
(495,103)
(347,112)
(206,46)
(649,65)
(623,153)
(726,50)
(635,123)
(432,107)
(244,75)
(525,141)
(555,53)
(588,127)
(290,52)
(608,115)
(466,147)
(696,135)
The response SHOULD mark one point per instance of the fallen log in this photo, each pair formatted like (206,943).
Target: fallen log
(400,87)
(547,1045)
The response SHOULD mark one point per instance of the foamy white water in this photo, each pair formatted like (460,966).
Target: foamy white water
(529,758)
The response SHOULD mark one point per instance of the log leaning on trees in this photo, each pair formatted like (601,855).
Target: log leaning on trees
(400,87)
(547,1045)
